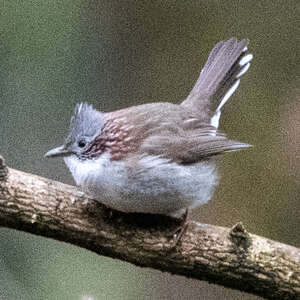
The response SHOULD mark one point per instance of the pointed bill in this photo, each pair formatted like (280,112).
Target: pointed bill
(59,151)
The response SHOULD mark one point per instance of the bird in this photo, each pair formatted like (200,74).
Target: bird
(158,158)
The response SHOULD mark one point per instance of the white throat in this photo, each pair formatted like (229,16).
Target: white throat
(99,177)
(83,169)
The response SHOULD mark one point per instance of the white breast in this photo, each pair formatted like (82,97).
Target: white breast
(154,185)
(98,177)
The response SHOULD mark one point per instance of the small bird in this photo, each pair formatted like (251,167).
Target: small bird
(157,158)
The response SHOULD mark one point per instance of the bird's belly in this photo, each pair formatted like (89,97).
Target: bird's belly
(155,185)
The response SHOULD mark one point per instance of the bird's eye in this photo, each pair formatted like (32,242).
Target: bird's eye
(81,144)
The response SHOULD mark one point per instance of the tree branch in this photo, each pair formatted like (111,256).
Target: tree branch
(230,257)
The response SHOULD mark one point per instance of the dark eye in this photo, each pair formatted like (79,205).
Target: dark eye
(81,144)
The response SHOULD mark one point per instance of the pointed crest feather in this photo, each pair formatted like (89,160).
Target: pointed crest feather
(86,121)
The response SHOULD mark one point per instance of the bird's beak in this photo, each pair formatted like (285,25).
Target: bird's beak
(59,151)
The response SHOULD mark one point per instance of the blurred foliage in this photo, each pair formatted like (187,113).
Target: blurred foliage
(54,54)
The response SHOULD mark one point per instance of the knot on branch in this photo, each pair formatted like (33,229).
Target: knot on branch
(3,169)
(240,237)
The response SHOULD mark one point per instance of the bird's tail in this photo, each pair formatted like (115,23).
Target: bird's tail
(219,79)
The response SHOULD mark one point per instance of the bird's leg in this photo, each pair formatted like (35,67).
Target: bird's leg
(180,230)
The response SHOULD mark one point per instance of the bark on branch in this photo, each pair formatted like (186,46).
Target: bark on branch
(230,257)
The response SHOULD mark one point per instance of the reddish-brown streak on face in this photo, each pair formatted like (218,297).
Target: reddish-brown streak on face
(113,139)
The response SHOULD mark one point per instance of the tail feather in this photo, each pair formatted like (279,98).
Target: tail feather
(219,79)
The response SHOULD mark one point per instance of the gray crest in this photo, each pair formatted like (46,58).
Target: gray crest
(86,122)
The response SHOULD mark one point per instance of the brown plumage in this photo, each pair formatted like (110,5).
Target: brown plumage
(181,133)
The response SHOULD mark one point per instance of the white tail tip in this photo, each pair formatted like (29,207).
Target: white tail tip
(245,59)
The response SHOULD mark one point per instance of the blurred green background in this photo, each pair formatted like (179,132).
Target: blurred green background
(54,54)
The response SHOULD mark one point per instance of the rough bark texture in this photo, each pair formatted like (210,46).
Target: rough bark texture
(230,257)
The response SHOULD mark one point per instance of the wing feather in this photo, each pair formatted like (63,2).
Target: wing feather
(192,147)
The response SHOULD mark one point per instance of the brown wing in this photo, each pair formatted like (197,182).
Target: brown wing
(167,130)
(126,130)
(192,147)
